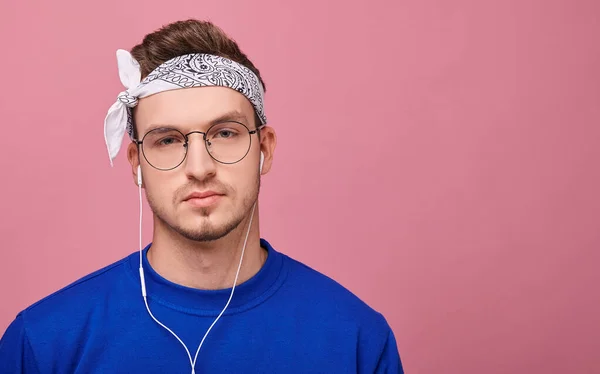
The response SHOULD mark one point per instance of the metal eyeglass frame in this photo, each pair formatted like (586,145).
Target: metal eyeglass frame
(140,144)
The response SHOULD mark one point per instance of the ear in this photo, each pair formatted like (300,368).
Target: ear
(268,142)
(133,155)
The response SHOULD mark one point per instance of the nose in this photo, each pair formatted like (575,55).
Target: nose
(198,162)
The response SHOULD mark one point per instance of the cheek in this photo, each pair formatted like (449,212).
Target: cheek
(250,181)
(160,189)
(242,181)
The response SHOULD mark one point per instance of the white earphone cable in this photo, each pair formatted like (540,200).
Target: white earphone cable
(232,289)
(143,285)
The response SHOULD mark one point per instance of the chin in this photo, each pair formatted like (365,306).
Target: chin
(202,235)
(206,229)
(205,224)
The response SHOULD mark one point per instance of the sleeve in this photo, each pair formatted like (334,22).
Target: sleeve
(389,360)
(16,355)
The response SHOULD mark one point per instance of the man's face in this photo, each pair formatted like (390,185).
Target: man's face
(235,185)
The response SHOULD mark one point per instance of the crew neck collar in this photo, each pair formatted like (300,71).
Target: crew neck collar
(210,302)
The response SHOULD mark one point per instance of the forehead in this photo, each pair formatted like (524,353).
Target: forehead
(192,108)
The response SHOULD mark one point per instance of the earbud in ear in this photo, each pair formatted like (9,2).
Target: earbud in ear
(139,175)
(262,160)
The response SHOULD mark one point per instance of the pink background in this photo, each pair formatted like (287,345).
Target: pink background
(438,158)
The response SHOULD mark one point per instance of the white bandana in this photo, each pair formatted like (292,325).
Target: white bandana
(193,70)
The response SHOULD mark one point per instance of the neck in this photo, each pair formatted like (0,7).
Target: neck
(206,265)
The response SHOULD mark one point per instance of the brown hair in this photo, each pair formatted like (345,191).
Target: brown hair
(185,37)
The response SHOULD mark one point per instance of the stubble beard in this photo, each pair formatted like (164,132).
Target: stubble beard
(207,231)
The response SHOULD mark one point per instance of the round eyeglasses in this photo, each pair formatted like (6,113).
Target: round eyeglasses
(165,148)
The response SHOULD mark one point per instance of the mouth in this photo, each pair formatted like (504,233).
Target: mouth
(203,199)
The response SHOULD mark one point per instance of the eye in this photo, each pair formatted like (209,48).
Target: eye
(168,140)
(225,134)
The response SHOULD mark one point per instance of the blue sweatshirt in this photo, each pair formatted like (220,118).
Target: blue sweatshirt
(288,318)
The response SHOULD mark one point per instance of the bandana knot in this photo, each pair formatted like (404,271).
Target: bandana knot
(127,99)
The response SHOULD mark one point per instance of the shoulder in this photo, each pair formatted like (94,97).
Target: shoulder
(74,300)
(342,317)
(331,297)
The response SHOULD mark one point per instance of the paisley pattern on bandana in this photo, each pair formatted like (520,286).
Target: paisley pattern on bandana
(201,70)
(186,71)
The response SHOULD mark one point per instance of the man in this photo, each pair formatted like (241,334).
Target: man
(208,295)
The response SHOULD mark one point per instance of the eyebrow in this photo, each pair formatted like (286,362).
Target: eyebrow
(233,115)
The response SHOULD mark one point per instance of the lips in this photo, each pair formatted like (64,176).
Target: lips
(203,199)
(201,195)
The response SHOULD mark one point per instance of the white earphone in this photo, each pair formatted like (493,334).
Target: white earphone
(262,160)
